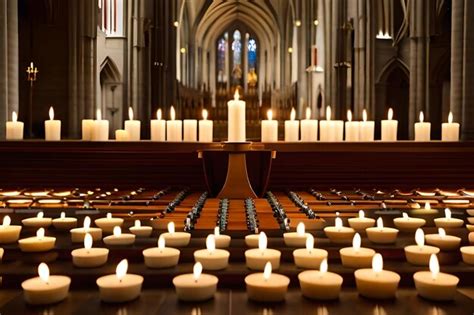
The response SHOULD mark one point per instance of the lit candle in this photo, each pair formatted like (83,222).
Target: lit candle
(196,286)
(389,127)
(420,253)
(251,240)
(267,286)
(212,258)
(422,129)
(360,223)
(52,128)
(236,119)
(161,256)
(119,238)
(158,127)
(443,241)
(132,126)
(450,130)
(331,130)
(320,285)
(38,221)
(381,234)
(9,233)
(222,241)
(205,128)
(78,234)
(89,257)
(45,289)
(190,130)
(367,128)
(448,221)
(87,129)
(292,128)
(108,223)
(435,285)
(352,128)
(356,256)
(174,127)
(139,230)
(256,258)
(468,254)
(176,239)
(408,224)
(122,135)
(101,128)
(14,128)
(120,287)
(64,223)
(339,233)
(376,283)
(296,239)
(38,243)
(269,128)
(309,128)
(309,257)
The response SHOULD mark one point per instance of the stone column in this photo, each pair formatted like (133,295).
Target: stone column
(457,34)
(468,73)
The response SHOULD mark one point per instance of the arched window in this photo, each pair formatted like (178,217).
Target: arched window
(237,58)
(252,62)
(222,44)
(111,17)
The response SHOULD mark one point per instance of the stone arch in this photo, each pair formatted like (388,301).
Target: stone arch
(111,93)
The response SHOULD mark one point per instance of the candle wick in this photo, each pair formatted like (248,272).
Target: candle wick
(195,280)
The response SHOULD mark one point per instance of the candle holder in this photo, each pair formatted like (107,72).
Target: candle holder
(31,77)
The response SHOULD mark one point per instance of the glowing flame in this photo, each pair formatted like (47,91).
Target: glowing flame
(172,113)
(88,241)
(158,114)
(51,113)
(292,114)
(197,270)
(40,233)
(361,214)
(450,118)
(236,95)
(130,113)
(422,116)
(427,206)
(420,237)
(390,114)
(43,272)
(204,114)
(14,116)
(380,223)
(99,114)
(109,215)
(447,213)
(267,271)
(6,221)
(442,233)
(356,240)
(338,223)
(377,263)
(117,231)
(309,243)
(211,243)
(323,267)
(262,241)
(87,223)
(364,115)
(40,215)
(349,115)
(300,229)
(434,266)
(328,113)
(405,215)
(269,114)
(308,113)
(171,227)
(138,223)
(121,269)
(217,231)
(161,242)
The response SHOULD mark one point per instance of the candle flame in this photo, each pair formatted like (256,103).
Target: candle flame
(450,117)
(88,241)
(349,115)
(130,113)
(338,223)
(308,113)
(40,215)
(269,114)
(292,114)
(420,237)
(197,270)
(364,115)
(427,206)
(161,242)
(434,266)
(422,116)
(217,231)
(87,223)
(40,233)
(328,113)
(300,229)
(51,113)
(6,221)
(109,215)
(262,241)
(171,227)
(361,214)
(267,271)
(211,243)
(117,231)
(236,95)
(356,240)
(405,215)
(204,114)
(172,113)
(14,116)
(377,263)
(442,233)
(158,114)
(99,114)
(380,223)
(121,269)
(447,213)
(63,215)
(323,267)
(138,223)
(309,243)
(43,272)
(390,114)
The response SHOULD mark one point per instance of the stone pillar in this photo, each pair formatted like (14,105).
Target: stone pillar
(468,73)
(457,34)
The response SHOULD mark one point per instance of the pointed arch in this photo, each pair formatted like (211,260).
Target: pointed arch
(109,71)
(390,66)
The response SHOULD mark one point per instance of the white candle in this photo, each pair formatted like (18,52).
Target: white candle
(176,239)
(292,128)
(132,126)
(158,127)
(352,128)
(298,238)
(78,234)
(236,119)
(366,128)
(205,128)
(256,258)
(450,130)
(309,257)
(14,128)
(212,258)
(331,130)
(9,233)
(197,286)
(141,231)
(38,243)
(361,223)
(120,287)
(174,130)
(267,286)
(87,129)
(64,223)
(339,233)
(101,128)
(309,128)
(122,135)
(222,241)
(381,234)
(108,223)
(320,285)
(89,257)
(161,256)
(389,127)
(269,128)
(356,256)
(420,253)
(52,128)
(190,130)
(422,129)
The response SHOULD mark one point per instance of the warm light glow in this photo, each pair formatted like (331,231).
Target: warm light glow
(204,114)
(361,214)
(14,116)
(364,115)
(323,267)
(183,50)
(292,114)
(309,243)
(328,113)
(40,233)
(40,215)
(138,223)
(338,223)
(211,243)
(356,240)
(99,114)
(422,116)
(420,237)
(236,95)
(6,221)
(300,229)
(316,22)
(117,231)
(442,233)
(450,118)
(390,114)
(269,114)
(88,241)
(380,223)
(405,215)
(171,227)
(427,206)
(197,270)
(43,272)
(349,115)
(161,242)
(434,266)
(109,215)
(262,241)
(297,23)
(159,114)
(87,223)
(130,113)
(176,24)
(447,213)
(217,231)
(172,113)
(377,263)
(267,271)
(51,113)
(121,269)
(308,113)
(290,50)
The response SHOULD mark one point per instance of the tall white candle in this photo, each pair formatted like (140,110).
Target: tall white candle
(87,129)
(331,130)
(269,128)
(366,128)
(309,128)
(205,128)
(190,130)
(389,127)
(352,128)
(174,127)
(158,127)
(450,130)
(422,129)
(292,127)
(236,119)
(52,128)
(14,128)
(101,128)
(132,126)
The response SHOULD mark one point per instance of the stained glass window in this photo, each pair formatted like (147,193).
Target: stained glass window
(221,55)
(252,57)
